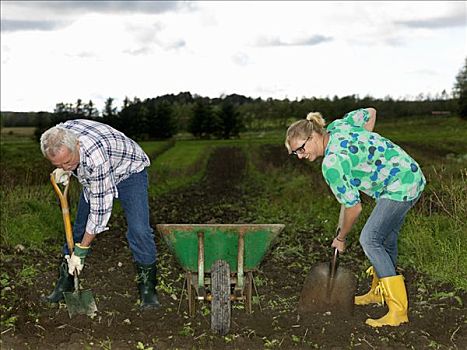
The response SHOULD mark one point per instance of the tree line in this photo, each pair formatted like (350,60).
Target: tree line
(226,116)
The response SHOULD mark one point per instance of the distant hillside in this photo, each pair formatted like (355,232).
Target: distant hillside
(9,119)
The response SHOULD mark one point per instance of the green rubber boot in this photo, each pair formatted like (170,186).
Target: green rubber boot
(64,284)
(147,286)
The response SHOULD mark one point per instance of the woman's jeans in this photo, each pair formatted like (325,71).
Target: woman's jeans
(133,196)
(380,233)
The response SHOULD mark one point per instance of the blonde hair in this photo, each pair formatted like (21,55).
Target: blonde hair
(304,128)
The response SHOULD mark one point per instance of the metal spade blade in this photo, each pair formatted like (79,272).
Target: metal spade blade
(80,302)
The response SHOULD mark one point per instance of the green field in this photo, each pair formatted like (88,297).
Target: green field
(432,241)
(250,180)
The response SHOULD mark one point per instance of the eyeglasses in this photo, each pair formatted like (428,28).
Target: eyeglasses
(301,149)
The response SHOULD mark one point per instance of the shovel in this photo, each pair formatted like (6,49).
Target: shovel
(77,302)
(328,287)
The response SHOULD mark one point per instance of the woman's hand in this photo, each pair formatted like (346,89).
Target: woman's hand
(370,125)
(338,244)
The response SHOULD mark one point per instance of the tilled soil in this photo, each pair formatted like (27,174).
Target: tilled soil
(222,197)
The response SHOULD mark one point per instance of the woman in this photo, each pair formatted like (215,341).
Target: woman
(356,159)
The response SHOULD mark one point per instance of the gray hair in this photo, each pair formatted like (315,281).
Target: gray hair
(55,138)
(303,128)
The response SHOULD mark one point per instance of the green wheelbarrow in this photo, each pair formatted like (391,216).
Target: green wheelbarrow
(219,260)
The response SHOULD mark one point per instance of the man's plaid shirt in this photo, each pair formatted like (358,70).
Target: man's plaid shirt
(107,157)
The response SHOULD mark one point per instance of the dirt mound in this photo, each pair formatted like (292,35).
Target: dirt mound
(215,199)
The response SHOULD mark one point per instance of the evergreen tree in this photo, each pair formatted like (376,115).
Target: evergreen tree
(131,120)
(160,119)
(195,125)
(62,113)
(204,121)
(109,109)
(460,91)
(79,108)
(230,122)
(90,111)
(109,114)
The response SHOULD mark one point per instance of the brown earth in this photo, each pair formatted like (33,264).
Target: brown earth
(437,313)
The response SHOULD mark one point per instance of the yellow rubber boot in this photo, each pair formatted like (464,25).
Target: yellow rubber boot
(371,297)
(395,295)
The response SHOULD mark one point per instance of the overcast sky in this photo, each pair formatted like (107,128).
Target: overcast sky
(60,51)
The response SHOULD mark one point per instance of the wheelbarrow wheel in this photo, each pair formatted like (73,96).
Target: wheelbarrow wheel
(220,304)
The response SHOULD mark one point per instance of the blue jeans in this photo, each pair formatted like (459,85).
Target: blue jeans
(380,233)
(133,196)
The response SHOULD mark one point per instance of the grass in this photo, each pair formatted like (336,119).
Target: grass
(179,166)
(441,134)
(29,213)
(17,131)
(30,216)
(434,234)
(154,148)
(19,152)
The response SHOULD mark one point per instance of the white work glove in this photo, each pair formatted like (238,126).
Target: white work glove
(76,261)
(61,176)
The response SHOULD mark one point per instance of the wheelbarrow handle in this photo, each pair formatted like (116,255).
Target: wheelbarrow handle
(63,197)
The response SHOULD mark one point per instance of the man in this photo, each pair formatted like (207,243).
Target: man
(108,165)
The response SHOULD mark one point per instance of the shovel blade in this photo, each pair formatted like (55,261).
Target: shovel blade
(80,303)
(321,293)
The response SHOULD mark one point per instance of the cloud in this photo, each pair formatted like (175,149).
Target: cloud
(454,20)
(40,15)
(144,33)
(269,90)
(153,34)
(107,7)
(309,41)
(12,25)
(83,54)
(174,45)
(394,41)
(241,59)
(139,52)
(424,72)
(314,40)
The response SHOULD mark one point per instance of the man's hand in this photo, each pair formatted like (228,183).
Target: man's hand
(76,261)
(61,176)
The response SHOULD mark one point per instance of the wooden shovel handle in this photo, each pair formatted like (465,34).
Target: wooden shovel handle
(336,252)
(65,211)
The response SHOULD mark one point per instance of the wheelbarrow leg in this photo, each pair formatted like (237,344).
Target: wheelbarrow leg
(248,291)
(201,290)
(190,294)
(240,265)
